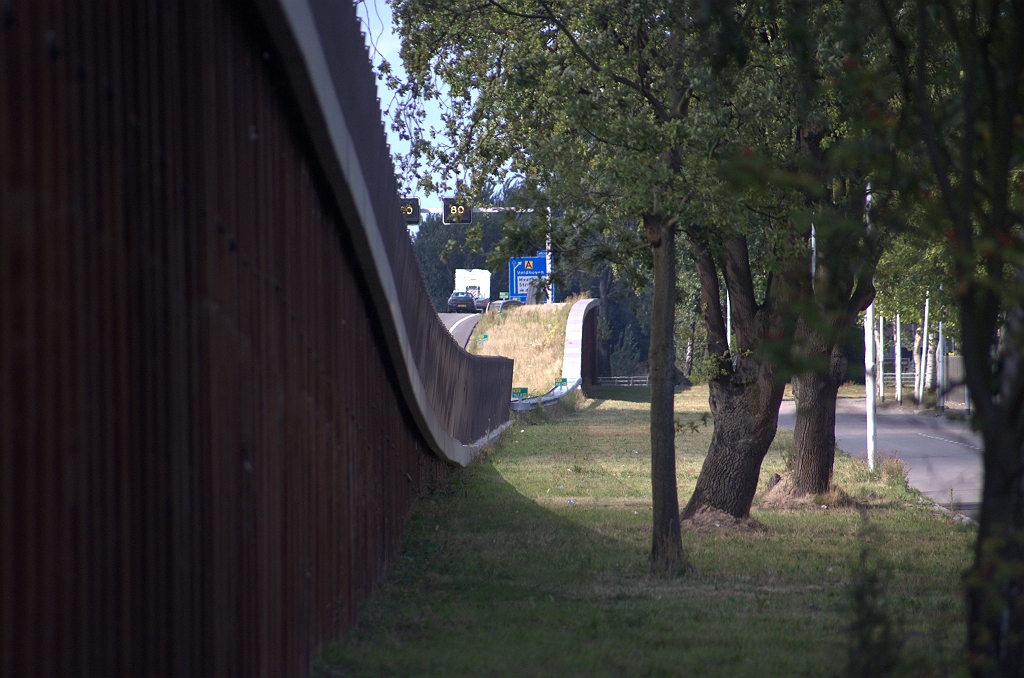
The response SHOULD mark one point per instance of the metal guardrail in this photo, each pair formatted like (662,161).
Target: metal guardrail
(624,381)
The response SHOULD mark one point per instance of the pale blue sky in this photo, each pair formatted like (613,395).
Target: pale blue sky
(383,43)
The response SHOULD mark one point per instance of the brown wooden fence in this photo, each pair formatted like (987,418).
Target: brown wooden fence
(209,435)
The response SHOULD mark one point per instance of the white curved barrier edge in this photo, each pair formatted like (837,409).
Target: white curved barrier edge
(294,31)
(572,359)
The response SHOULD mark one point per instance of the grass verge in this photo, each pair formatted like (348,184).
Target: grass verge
(533,562)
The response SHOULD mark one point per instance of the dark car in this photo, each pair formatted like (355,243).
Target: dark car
(461,302)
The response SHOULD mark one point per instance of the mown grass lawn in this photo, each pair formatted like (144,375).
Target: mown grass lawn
(533,562)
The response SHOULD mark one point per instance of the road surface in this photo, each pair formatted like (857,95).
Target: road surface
(942,454)
(460,325)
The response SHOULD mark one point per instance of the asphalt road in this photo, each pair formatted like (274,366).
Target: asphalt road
(943,454)
(460,325)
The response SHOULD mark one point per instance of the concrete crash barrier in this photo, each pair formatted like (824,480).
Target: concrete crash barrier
(579,357)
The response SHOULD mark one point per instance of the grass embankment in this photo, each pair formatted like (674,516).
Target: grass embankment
(533,336)
(500,575)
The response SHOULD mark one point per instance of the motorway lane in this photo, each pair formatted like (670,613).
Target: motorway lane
(942,453)
(460,325)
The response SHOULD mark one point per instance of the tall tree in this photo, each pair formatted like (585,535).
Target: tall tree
(745,388)
(961,70)
(827,161)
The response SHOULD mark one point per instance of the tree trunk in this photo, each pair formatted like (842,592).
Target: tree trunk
(745,411)
(666,547)
(929,368)
(814,434)
(995,582)
(744,397)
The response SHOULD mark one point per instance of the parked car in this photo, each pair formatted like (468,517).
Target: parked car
(461,302)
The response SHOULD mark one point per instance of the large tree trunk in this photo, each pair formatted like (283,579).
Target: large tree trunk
(831,307)
(744,397)
(745,411)
(666,546)
(995,582)
(814,434)
(995,585)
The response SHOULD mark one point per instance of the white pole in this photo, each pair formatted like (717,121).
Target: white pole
(814,254)
(916,367)
(940,366)
(899,362)
(728,321)
(869,382)
(869,353)
(881,358)
(924,349)
(549,262)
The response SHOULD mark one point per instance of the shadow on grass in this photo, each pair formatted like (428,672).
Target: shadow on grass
(491,582)
(629,394)
(504,571)
(488,582)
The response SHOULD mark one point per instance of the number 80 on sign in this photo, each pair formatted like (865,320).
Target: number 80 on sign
(456,211)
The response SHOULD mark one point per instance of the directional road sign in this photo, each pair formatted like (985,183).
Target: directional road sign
(522,272)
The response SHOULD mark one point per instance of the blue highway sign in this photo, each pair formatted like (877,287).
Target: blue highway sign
(521,272)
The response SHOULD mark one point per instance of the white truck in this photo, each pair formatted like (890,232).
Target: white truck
(476,281)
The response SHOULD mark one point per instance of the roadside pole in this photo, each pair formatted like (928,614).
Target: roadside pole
(869,381)
(940,372)
(899,362)
(881,358)
(869,353)
(924,351)
(728,322)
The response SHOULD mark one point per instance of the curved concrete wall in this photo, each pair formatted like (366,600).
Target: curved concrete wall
(579,356)
(579,360)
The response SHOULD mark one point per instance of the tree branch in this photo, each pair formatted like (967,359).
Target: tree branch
(659,107)
(740,284)
(920,97)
